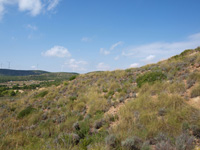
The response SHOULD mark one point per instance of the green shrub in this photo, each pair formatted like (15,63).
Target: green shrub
(68,140)
(25,112)
(41,94)
(72,78)
(84,129)
(12,109)
(105,90)
(85,142)
(72,98)
(150,77)
(133,143)
(12,93)
(66,83)
(111,141)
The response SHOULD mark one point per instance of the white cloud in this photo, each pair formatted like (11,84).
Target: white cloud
(102,67)
(115,45)
(52,4)
(34,7)
(104,51)
(76,65)
(86,39)
(57,51)
(149,58)
(163,48)
(134,65)
(32,27)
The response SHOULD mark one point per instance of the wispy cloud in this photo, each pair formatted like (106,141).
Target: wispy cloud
(52,4)
(33,7)
(103,67)
(153,52)
(31,27)
(104,51)
(163,48)
(107,52)
(116,44)
(57,51)
(86,39)
(116,58)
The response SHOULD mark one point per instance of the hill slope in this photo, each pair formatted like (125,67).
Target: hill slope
(153,107)
(26,75)
(10,72)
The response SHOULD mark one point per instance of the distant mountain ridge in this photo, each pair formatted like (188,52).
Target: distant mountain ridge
(11,72)
(26,75)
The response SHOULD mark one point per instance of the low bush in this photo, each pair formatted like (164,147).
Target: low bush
(84,129)
(190,83)
(41,94)
(76,126)
(133,143)
(185,142)
(195,92)
(150,77)
(26,112)
(72,98)
(111,141)
(98,124)
(85,142)
(161,137)
(146,146)
(72,78)
(164,145)
(12,93)
(195,130)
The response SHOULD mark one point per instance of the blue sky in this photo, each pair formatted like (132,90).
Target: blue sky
(90,35)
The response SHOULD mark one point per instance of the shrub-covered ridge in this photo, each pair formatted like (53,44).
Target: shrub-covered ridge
(153,107)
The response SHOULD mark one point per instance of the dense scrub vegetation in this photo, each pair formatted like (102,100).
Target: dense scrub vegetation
(155,107)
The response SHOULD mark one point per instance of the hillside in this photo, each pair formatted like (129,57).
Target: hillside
(10,72)
(155,107)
